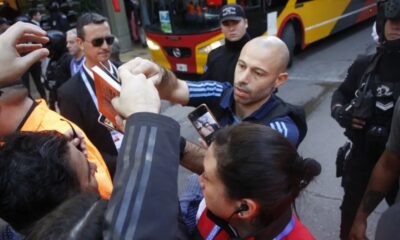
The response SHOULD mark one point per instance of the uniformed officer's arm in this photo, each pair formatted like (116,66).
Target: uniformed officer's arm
(169,86)
(385,173)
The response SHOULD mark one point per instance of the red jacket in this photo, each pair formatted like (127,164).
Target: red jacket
(295,230)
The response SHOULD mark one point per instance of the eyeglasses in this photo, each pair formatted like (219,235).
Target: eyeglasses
(97,42)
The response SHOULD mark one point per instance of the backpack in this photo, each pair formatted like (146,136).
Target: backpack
(295,112)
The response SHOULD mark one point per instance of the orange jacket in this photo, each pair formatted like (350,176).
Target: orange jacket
(42,118)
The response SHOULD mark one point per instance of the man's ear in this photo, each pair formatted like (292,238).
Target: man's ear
(282,78)
(253,209)
(80,41)
(246,23)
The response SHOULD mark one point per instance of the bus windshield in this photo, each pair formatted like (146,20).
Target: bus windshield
(180,16)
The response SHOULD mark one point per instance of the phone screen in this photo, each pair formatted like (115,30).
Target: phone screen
(107,123)
(204,122)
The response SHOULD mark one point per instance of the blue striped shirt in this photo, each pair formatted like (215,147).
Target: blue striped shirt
(219,98)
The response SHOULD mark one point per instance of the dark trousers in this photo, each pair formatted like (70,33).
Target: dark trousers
(35,71)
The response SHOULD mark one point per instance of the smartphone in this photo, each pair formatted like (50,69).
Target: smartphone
(204,122)
(107,123)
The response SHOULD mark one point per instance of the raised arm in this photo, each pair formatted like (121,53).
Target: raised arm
(168,85)
(147,167)
(13,43)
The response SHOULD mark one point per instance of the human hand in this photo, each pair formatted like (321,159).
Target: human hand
(358,230)
(77,139)
(151,70)
(15,41)
(343,117)
(138,94)
(357,123)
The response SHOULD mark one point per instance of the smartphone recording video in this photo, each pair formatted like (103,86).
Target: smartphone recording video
(204,122)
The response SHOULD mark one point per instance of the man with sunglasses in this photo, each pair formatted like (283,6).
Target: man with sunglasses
(77,98)
(221,62)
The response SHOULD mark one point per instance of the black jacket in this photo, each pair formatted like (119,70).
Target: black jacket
(76,104)
(221,62)
(144,203)
(368,145)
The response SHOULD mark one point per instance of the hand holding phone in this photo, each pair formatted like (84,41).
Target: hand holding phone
(204,122)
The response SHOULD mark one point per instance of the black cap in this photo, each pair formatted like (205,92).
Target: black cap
(392,9)
(231,12)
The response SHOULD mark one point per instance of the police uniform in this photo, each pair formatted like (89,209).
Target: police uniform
(368,143)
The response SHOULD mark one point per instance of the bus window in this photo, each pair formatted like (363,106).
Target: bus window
(185,16)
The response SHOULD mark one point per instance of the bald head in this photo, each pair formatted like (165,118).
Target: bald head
(274,46)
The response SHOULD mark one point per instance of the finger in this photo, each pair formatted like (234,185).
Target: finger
(357,126)
(120,123)
(32,57)
(28,37)
(17,30)
(27,47)
(203,143)
(156,79)
(76,142)
(358,121)
(69,134)
(116,105)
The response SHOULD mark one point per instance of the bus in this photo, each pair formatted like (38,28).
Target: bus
(180,33)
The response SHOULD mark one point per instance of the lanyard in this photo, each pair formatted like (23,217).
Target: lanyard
(89,88)
(213,232)
(287,230)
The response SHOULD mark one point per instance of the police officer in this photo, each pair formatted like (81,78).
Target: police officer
(221,62)
(363,105)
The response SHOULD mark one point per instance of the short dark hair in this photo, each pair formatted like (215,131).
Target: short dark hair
(255,161)
(80,217)
(35,176)
(32,12)
(86,19)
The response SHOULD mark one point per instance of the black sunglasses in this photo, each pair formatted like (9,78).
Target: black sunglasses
(97,42)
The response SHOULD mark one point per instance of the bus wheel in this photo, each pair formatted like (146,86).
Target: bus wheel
(288,36)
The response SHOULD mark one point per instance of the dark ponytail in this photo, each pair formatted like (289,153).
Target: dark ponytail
(255,161)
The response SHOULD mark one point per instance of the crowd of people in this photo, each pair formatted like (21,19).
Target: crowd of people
(63,175)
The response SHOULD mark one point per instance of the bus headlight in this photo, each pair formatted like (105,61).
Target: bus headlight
(207,49)
(152,45)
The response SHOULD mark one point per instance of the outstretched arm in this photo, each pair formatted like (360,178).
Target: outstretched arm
(168,85)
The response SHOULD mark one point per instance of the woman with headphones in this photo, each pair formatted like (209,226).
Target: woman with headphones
(252,176)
